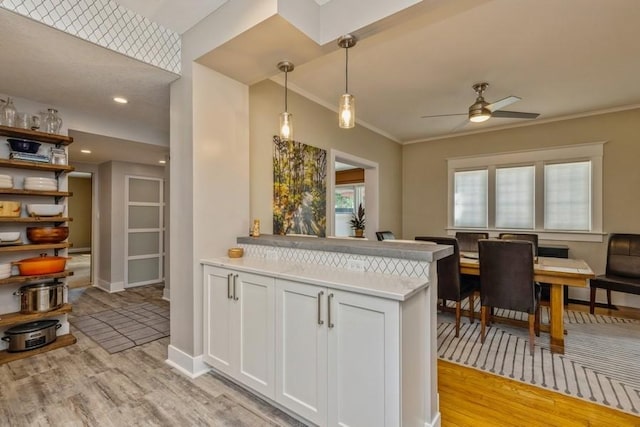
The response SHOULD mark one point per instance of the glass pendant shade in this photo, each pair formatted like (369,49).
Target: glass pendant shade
(347,111)
(286,126)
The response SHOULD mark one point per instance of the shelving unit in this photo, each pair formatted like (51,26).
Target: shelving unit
(7,319)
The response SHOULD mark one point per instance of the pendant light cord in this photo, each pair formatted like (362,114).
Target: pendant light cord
(285,92)
(346,70)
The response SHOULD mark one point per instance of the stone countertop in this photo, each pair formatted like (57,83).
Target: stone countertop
(367,283)
(404,249)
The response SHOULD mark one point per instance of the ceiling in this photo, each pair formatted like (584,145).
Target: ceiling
(563,58)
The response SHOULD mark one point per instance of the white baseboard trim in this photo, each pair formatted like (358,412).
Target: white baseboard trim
(188,365)
(109,287)
(436,422)
(76,250)
(166,294)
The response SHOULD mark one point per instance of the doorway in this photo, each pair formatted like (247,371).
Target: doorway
(368,186)
(80,208)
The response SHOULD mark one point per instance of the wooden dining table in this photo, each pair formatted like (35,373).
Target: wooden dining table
(558,272)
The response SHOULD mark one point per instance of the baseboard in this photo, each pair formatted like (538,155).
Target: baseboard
(78,250)
(166,293)
(436,422)
(186,364)
(109,287)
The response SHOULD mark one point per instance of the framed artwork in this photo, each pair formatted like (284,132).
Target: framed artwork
(299,188)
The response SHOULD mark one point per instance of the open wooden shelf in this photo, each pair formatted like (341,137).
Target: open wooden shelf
(61,341)
(35,135)
(31,247)
(28,279)
(22,192)
(24,164)
(14,318)
(36,219)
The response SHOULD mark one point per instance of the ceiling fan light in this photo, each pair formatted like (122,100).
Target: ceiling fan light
(347,111)
(478,115)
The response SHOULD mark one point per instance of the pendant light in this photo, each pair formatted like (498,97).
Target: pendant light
(286,120)
(347,103)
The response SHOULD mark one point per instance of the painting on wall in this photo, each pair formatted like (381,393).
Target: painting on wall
(299,188)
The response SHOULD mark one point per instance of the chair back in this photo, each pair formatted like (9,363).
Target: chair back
(506,274)
(385,235)
(448,269)
(468,241)
(533,238)
(623,255)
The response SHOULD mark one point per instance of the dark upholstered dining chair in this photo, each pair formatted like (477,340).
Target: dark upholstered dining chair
(468,241)
(506,274)
(385,235)
(623,268)
(533,238)
(450,285)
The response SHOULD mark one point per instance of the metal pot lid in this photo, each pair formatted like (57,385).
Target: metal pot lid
(25,328)
(45,285)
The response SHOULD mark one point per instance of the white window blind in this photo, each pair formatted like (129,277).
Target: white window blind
(515,197)
(470,198)
(567,195)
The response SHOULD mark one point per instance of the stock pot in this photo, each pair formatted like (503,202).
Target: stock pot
(40,297)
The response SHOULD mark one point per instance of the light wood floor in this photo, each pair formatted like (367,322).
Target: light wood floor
(84,385)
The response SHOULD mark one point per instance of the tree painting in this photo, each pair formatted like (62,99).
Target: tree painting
(299,188)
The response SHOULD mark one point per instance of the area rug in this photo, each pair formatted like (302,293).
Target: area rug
(601,363)
(123,328)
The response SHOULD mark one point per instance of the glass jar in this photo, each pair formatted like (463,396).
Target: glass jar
(51,122)
(8,117)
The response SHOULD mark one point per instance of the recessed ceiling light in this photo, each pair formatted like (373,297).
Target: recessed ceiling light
(120,100)
(162,162)
(85,151)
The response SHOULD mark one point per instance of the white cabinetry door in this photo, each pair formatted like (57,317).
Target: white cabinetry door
(301,343)
(239,326)
(218,308)
(363,360)
(337,359)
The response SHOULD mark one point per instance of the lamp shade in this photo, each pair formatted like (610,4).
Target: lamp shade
(286,126)
(347,111)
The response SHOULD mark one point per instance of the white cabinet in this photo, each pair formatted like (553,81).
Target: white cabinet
(337,355)
(239,326)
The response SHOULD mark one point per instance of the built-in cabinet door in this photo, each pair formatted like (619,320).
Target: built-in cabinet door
(301,349)
(255,304)
(239,329)
(218,308)
(363,360)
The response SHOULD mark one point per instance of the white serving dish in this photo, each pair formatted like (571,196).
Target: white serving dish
(9,236)
(44,210)
(40,187)
(39,180)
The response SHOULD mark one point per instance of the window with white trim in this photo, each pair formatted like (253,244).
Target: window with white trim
(554,192)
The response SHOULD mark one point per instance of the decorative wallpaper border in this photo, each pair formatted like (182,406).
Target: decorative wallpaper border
(107,24)
(382,265)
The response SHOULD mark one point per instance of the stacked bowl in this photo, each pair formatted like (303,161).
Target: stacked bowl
(36,183)
(6,181)
(5,271)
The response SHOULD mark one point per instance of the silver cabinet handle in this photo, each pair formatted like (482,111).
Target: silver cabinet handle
(329,299)
(235,295)
(320,321)
(229,296)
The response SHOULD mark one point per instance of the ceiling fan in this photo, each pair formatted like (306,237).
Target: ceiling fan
(481,110)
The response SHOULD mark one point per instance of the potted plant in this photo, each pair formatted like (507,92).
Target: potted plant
(357,221)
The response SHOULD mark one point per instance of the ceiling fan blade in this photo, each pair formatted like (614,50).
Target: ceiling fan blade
(443,115)
(495,106)
(514,114)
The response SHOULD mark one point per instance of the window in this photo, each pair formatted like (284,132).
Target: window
(556,192)
(471,199)
(567,196)
(514,197)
